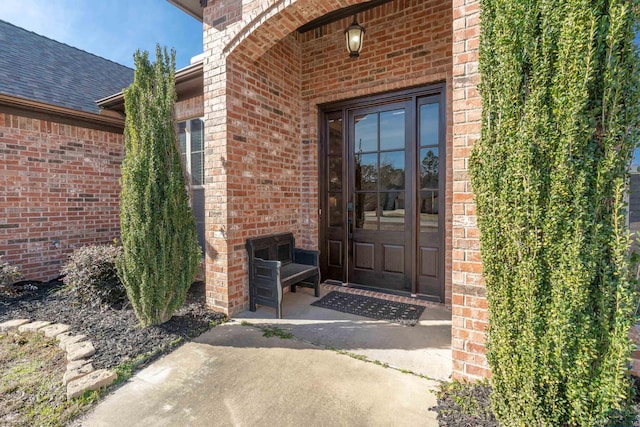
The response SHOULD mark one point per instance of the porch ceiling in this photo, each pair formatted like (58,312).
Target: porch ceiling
(194,8)
(339,14)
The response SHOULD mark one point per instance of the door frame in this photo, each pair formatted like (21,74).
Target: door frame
(346,106)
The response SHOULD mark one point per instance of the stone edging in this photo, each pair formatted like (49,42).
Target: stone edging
(80,375)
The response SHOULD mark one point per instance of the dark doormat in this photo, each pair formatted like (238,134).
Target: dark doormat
(374,308)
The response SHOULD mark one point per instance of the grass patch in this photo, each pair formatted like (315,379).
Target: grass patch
(272,331)
(360,357)
(31,390)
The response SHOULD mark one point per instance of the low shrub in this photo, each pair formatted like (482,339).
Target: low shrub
(8,273)
(91,276)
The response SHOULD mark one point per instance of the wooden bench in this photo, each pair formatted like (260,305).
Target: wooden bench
(274,264)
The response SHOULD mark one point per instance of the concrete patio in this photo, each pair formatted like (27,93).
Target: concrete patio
(424,349)
(234,375)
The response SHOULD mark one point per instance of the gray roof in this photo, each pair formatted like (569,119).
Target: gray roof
(41,69)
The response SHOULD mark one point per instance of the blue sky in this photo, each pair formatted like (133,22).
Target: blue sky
(113,29)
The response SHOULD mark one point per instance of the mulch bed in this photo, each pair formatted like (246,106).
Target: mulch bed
(465,405)
(469,405)
(115,334)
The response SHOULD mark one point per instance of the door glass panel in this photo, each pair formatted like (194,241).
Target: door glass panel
(335,210)
(429,211)
(335,173)
(392,170)
(366,215)
(366,171)
(429,166)
(429,124)
(392,208)
(366,133)
(392,129)
(335,136)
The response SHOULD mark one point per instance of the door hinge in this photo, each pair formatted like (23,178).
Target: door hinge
(319,212)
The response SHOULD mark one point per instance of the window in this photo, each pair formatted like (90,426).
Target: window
(191,137)
(191,134)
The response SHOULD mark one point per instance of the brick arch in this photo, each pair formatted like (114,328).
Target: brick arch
(267,24)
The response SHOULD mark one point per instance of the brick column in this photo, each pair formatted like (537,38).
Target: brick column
(218,24)
(469,305)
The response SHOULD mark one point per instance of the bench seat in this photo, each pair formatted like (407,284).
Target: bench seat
(274,264)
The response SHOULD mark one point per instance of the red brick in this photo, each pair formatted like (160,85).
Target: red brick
(274,82)
(38,201)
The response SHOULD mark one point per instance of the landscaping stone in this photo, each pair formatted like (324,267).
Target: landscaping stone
(10,325)
(93,381)
(33,326)
(64,336)
(80,350)
(68,338)
(77,370)
(116,334)
(55,329)
(77,363)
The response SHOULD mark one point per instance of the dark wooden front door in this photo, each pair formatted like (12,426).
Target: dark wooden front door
(380,189)
(381,184)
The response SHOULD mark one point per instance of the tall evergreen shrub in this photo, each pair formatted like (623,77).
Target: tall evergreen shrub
(160,250)
(560,113)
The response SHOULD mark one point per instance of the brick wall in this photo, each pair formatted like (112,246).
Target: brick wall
(263,163)
(634,334)
(58,191)
(189,108)
(263,82)
(469,304)
(407,44)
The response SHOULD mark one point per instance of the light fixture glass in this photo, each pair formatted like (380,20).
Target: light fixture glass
(353,36)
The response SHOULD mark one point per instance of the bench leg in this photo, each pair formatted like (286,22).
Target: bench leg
(294,288)
(252,304)
(316,287)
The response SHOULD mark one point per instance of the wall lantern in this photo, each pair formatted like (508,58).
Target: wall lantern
(354,35)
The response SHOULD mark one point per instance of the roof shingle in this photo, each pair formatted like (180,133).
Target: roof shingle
(41,69)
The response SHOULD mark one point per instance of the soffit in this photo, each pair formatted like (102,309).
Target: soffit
(191,7)
(189,83)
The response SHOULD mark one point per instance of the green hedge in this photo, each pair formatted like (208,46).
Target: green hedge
(560,113)
(160,249)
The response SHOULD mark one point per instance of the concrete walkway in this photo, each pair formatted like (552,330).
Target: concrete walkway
(234,376)
(424,349)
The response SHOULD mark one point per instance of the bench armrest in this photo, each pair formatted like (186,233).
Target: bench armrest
(264,273)
(306,256)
